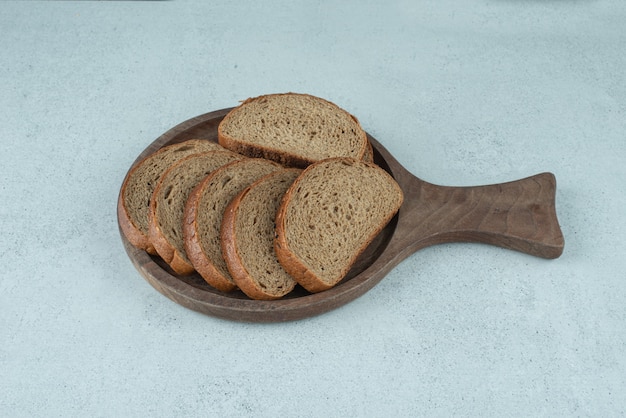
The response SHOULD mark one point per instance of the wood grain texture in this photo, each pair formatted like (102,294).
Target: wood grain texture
(518,215)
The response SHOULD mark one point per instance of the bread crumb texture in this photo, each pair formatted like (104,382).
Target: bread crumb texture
(334,210)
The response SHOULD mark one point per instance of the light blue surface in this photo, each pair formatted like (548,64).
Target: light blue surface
(462,93)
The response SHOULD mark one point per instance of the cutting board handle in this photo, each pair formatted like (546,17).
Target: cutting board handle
(519,215)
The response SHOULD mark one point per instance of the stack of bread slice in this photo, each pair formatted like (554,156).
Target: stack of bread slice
(289,196)
(204,213)
(140,182)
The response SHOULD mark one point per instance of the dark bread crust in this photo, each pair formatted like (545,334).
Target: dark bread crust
(282,157)
(369,153)
(259,151)
(291,262)
(234,262)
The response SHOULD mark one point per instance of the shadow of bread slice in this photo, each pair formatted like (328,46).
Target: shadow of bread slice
(134,200)
(292,129)
(248,237)
(204,212)
(167,204)
(329,215)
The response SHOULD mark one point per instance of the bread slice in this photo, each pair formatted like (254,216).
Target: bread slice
(248,237)
(328,217)
(134,200)
(292,129)
(204,212)
(167,204)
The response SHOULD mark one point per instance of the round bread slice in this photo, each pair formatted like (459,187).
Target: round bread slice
(292,129)
(248,237)
(134,200)
(204,212)
(329,215)
(167,204)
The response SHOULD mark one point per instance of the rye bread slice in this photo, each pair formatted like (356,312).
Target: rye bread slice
(329,215)
(292,129)
(204,212)
(167,204)
(134,200)
(247,235)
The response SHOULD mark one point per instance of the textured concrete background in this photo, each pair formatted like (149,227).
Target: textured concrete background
(478,93)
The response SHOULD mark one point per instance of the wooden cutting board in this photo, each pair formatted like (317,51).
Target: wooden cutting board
(518,215)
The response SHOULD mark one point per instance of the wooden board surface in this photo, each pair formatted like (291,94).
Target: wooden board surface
(518,215)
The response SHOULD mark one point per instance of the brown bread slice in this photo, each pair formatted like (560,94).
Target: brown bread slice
(168,203)
(248,237)
(292,129)
(134,200)
(204,212)
(328,217)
